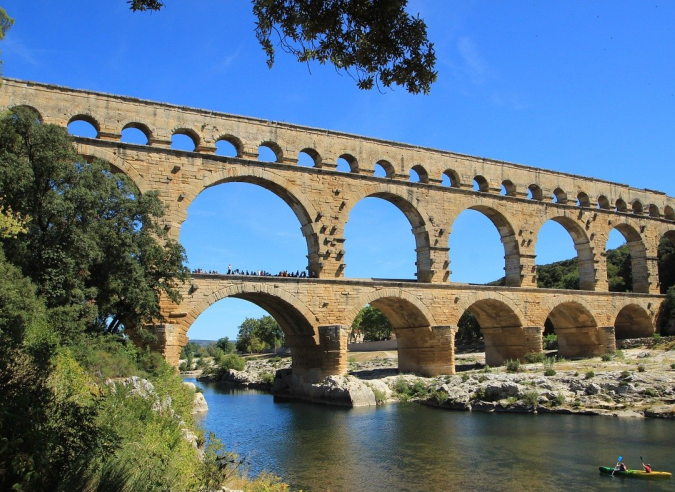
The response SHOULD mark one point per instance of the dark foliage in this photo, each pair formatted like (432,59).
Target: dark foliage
(375,42)
(92,245)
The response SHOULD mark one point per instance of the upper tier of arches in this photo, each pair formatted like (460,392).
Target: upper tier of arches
(110,115)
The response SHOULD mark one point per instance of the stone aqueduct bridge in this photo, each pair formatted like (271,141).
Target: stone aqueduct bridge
(315,313)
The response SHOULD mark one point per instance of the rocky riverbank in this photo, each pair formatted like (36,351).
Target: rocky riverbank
(636,382)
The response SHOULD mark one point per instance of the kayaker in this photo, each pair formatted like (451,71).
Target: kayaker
(621,467)
(647,467)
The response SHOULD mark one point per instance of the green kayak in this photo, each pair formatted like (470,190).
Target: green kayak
(634,473)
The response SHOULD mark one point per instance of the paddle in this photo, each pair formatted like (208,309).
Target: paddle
(615,466)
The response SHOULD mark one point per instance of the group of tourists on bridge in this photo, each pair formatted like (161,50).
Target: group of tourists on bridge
(256,273)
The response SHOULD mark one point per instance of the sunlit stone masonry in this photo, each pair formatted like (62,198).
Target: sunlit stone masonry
(316,313)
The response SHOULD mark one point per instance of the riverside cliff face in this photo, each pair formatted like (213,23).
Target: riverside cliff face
(637,382)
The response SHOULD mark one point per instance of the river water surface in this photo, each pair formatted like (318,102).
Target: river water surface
(410,447)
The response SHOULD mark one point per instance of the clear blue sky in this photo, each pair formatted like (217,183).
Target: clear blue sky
(577,86)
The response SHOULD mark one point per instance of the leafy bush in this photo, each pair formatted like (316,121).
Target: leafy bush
(625,374)
(531,397)
(512,365)
(534,357)
(590,374)
(550,341)
(182,367)
(402,388)
(440,397)
(419,389)
(672,366)
(548,366)
(232,361)
(482,379)
(651,392)
(558,400)
(380,396)
(267,378)
(479,394)
(606,357)
(487,368)
(465,378)
(641,368)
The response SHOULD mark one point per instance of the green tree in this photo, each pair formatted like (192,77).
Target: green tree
(468,328)
(374,42)
(5,23)
(225,345)
(256,335)
(666,255)
(373,324)
(93,246)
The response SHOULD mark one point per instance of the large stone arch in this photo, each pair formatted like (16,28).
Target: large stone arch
(633,321)
(577,329)
(422,346)
(303,209)
(413,313)
(507,233)
(582,244)
(298,322)
(502,325)
(417,217)
(115,157)
(638,254)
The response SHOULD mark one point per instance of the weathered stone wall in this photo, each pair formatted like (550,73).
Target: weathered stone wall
(424,316)
(315,312)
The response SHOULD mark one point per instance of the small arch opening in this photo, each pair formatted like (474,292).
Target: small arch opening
(508,188)
(347,163)
(309,158)
(621,205)
(637,207)
(559,196)
(480,184)
(534,192)
(83,126)
(184,139)
(450,178)
(383,169)
(418,174)
(603,202)
(583,200)
(269,152)
(654,211)
(135,134)
(228,146)
(669,212)
(25,107)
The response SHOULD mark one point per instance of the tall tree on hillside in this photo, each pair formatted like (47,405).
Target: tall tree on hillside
(375,42)
(5,23)
(92,245)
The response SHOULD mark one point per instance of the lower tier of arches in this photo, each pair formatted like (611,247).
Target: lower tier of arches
(316,315)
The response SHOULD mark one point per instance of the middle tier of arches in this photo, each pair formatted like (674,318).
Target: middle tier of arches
(322,202)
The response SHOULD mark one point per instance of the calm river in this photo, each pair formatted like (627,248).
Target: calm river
(409,447)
